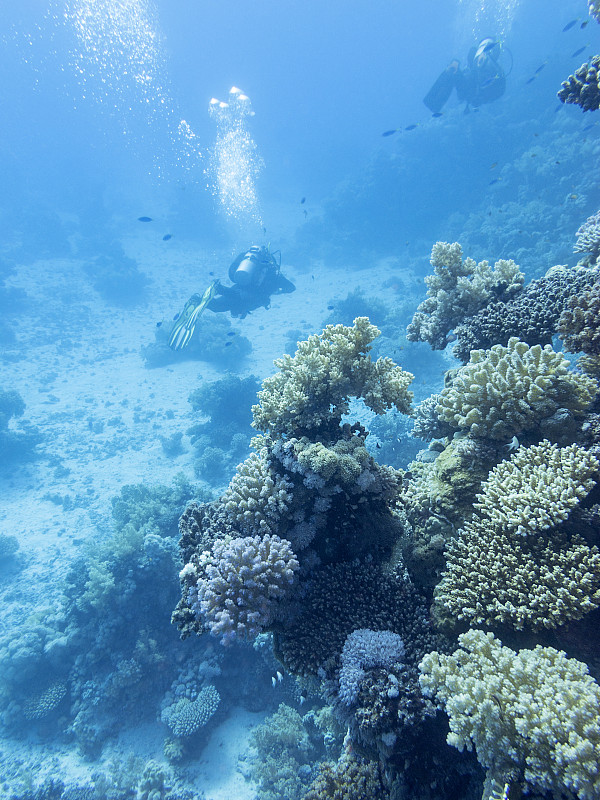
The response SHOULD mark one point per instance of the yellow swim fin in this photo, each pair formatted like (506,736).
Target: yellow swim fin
(184,328)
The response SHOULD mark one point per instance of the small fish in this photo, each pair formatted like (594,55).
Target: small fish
(579,51)
(176,317)
(378,445)
(589,127)
(494,165)
(264,230)
(330,308)
(584,24)
(167,236)
(410,127)
(437,114)
(158,324)
(573,196)
(305,213)
(302,699)
(228,344)
(144,219)
(569,25)
(540,68)
(389,133)
(211,273)
(274,681)
(230,333)
(531,80)
(312,277)
(279,676)
(493,181)
(303,200)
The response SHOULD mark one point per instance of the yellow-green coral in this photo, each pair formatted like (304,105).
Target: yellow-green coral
(504,391)
(257,497)
(509,564)
(311,390)
(458,289)
(533,713)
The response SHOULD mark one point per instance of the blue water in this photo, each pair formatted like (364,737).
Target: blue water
(143,145)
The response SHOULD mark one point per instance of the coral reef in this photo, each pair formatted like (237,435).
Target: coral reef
(514,563)
(363,650)
(351,778)
(458,289)
(15,445)
(240,582)
(583,87)
(588,239)
(117,277)
(505,391)
(185,716)
(532,314)
(579,325)
(309,394)
(594,9)
(223,441)
(532,716)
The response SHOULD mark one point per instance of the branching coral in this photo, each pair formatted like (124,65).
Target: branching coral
(588,239)
(579,324)
(363,650)
(186,716)
(458,289)
(583,87)
(513,563)
(310,392)
(532,314)
(504,391)
(532,714)
(594,8)
(238,583)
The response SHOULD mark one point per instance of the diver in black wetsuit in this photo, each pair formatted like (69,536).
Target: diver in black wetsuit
(483,80)
(255,275)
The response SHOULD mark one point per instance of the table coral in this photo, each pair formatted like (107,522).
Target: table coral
(458,289)
(513,563)
(583,87)
(505,391)
(310,392)
(532,713)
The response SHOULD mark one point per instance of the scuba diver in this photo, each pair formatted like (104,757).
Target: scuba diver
(483,80)
(255,275)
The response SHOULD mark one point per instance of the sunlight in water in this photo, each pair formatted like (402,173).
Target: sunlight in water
(235,163)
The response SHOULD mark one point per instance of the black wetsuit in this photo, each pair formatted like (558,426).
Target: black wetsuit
(483,81)
(240,300)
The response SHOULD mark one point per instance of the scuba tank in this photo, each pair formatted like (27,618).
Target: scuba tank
(251,268)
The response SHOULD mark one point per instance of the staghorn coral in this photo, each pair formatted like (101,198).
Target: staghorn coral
(532,314)
(532,714)
(310,393)
(579,325)
(588,239)
(186,716)
(514,563)
(505,391)
(583,87)
(458,289)
(238,583)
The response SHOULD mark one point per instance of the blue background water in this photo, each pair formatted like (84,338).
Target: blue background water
(91,138)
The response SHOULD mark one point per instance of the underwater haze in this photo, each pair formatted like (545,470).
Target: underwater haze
(299,400)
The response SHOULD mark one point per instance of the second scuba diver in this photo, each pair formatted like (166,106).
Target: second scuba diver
(255,275)
(483,80)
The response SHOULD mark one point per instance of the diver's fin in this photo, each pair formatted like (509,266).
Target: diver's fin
(183,330)
(440,91)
